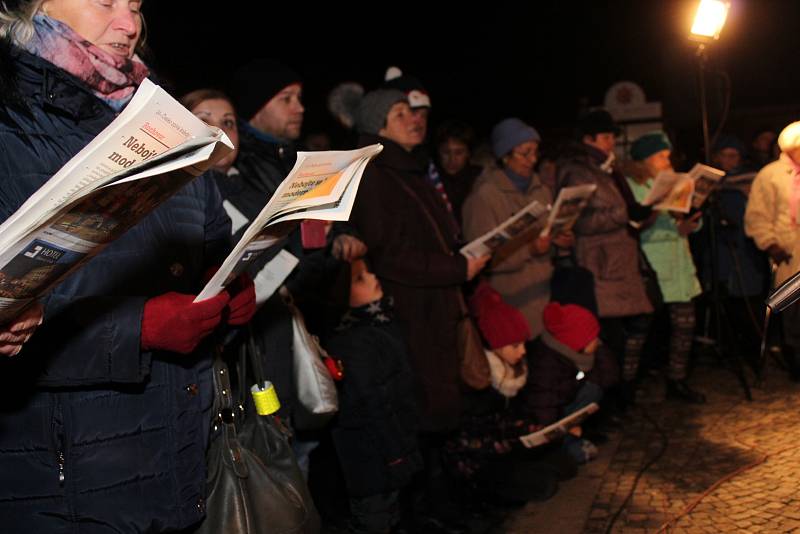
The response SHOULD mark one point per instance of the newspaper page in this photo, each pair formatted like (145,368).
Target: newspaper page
(518,223)
(560,428)
(740,182)
(321,185)
(151,150)
(705,180)
(671,191)
(567,208)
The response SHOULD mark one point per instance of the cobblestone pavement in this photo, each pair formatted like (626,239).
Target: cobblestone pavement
(727,466)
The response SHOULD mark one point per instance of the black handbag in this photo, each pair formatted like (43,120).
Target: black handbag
(254,485)
(650,279)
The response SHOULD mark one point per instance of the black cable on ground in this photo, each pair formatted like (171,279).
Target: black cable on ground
(643,469)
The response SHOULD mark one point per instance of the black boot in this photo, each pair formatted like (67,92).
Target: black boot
(680,390)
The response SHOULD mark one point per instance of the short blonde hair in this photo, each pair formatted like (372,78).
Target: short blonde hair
(16,25)
(790,137)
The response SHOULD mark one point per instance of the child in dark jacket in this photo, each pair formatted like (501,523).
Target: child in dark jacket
(565,371)
(487,453)
(376,428)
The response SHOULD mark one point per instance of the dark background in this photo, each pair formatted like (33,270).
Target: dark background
(542,61)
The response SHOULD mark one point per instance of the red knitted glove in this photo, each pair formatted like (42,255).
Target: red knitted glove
(172,322)
(242,306)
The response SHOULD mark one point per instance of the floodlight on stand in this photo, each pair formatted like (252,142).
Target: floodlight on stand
(709,20)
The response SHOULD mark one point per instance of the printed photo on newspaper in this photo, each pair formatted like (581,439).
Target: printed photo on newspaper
(567,208)
(558,429)
(523,220)
(321,186)
(151,150)
(705,180)
(671,191)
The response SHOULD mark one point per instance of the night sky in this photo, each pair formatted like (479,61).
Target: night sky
(538,60)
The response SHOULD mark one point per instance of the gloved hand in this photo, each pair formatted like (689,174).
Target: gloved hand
(173,322)
(242,306)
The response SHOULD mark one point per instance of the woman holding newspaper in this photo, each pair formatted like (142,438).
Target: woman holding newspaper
(104,415)
(522,267)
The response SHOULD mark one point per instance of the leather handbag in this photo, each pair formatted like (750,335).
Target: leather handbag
(475,371)
(474,367)
(317,398)
(254,485)
(650,279)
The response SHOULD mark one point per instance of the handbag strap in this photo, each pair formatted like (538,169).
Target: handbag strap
(436,230)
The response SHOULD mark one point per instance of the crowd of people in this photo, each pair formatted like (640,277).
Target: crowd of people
(107,389)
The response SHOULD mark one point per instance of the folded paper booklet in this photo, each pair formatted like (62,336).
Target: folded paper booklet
(148,153)
(558,429)
(671,191)
(321,185)
(706,179)
(524,219)
(682,191)
(567,208)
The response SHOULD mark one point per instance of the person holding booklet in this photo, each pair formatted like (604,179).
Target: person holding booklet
(412,238)
(522,267)
(607,244)
(664,242)
(104,417)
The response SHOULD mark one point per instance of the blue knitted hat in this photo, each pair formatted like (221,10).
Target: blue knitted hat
(509,133)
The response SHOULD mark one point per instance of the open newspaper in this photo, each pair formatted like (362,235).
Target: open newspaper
(321,185)
(671,191)
(150,151)
(558,429)
(515,225)
(567,208)
(705,180)
(680,192)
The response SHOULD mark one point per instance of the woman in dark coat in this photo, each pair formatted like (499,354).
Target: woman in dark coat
(104,415)
(411,239)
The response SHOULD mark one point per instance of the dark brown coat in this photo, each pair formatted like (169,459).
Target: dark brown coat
(414,268)
(604,242)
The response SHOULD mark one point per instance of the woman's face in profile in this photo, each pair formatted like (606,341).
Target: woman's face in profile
(115,26)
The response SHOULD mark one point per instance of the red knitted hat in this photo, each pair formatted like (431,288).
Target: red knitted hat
(500,323)
(572,325)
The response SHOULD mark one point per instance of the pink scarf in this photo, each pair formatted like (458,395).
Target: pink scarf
(794,198)
(112,78)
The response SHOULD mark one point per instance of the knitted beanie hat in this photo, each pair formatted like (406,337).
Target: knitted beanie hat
(500,323)
(257,82)
(790,137)
(373,108)
(572,325)
(417,95)
(509,133)
(649,144)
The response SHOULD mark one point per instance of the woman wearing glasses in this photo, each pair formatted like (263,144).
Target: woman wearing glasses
(521,268)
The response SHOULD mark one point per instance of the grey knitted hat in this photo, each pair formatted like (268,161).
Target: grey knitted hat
(372,111)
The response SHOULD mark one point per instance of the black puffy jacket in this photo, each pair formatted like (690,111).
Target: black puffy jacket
(96,434)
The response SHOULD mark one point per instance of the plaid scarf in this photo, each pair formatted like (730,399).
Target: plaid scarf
(112,78)
(436,180)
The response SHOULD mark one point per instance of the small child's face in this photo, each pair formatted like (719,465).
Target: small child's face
(511,354)
(364,286)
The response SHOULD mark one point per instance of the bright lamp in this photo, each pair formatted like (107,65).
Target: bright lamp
(709,19)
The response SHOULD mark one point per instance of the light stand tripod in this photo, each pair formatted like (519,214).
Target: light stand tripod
(720,342)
